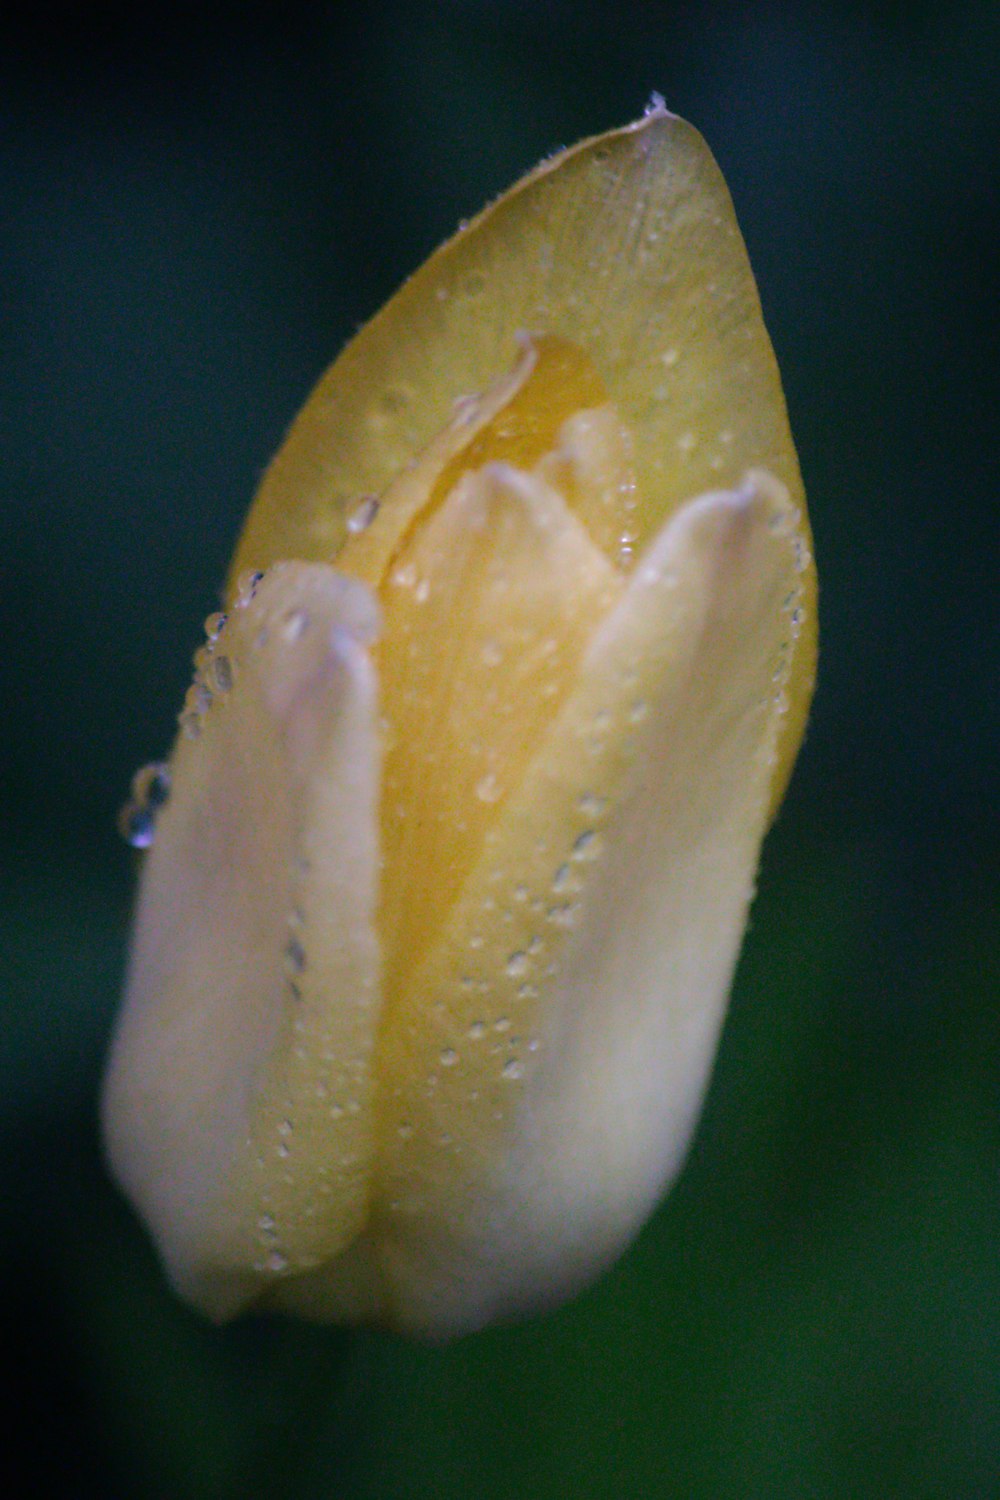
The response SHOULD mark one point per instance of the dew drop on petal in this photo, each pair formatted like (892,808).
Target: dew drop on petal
(246,587)
(364,514)
(295,624)
(295,955)
(222,674)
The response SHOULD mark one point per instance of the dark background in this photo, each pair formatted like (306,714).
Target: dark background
(197,211)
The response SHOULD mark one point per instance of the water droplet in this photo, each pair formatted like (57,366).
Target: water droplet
(364,514)
(198,698)
(284,1149)
(638,711)
(266,1223)
(512,1070)
(527,992)
(502,1024)
(405,1132)
(591,805)
(137,825)
(422,592)
(190,723)
(246,587)
(151,784)
(477,1031)
(669,357)
(488,788)
(686,443)
(563,915)
(517,963)
(405,576)
(284,1127)
(449,1057)
(214,625)
(587,845)
(562,878)
(295,955)
(150,790)
(295,624)
(222,674)
(276,1262)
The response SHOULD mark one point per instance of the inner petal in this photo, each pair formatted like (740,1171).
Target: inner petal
(487,612)
(550,410)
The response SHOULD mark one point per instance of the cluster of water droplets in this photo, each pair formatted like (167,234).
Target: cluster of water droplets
(501,1001)
(213,669)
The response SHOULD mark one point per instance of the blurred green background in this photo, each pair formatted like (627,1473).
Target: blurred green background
(198,210)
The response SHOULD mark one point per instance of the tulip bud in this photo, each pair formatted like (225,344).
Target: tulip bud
(436,932)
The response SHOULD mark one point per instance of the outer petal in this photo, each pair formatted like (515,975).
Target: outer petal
(628,246)
(551,1057)
(237,1105)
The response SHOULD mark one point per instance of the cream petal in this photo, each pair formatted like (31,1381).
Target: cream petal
(553,1050)
(237,1109)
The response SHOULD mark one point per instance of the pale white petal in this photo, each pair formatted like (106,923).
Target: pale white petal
(237,1105)
(557,1045)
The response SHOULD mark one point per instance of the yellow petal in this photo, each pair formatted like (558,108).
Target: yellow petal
(486,616)
(548,1056)
(627,247)
(245,1042)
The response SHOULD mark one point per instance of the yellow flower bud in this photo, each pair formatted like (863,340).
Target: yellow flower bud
(435,936)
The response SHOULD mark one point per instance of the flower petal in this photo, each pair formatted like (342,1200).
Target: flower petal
(628,247)
(487,614)
(237,1105)
(550,1054)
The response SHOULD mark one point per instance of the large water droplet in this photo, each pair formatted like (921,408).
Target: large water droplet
(512,1070)
(150,790)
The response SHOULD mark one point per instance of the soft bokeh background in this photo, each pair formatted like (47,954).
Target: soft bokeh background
(196,213)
